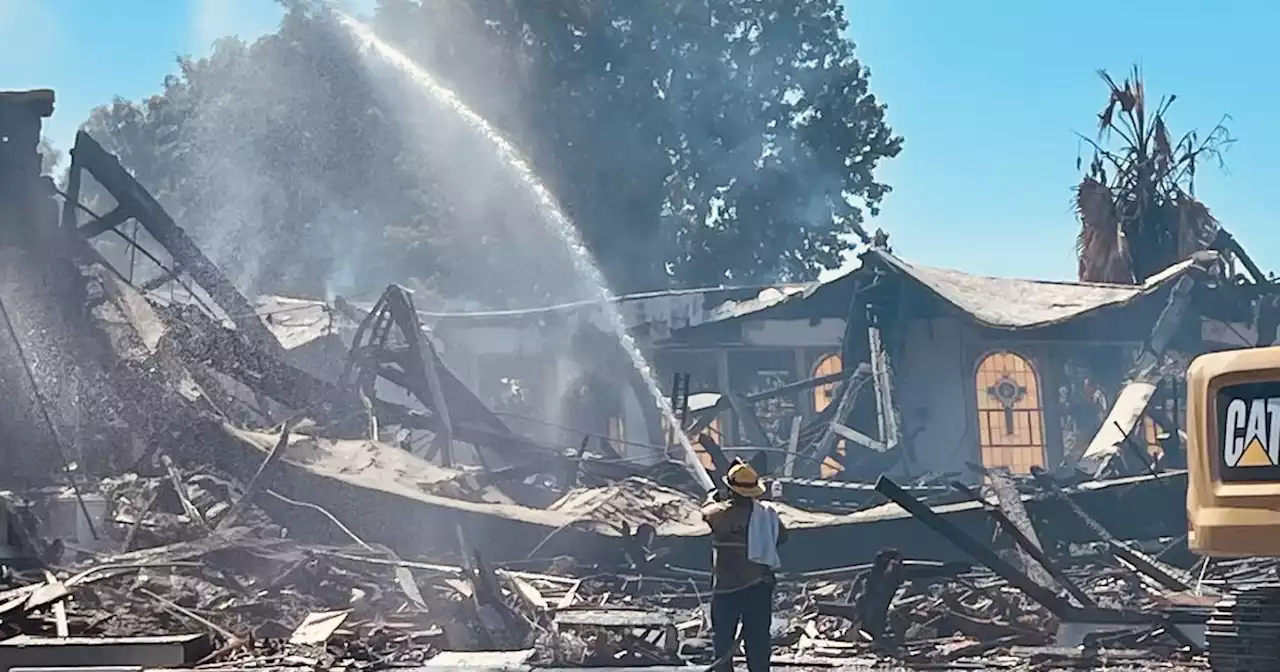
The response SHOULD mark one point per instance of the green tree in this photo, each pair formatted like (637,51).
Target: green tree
(781,138)
(273,156)
(695,142)
(50,157)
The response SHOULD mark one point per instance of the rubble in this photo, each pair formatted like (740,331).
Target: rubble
(265,600)
(246,512)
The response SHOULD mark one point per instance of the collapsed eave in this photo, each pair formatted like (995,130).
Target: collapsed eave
(1008,304)
(1012,304)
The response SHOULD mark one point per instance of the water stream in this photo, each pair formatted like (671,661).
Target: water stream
(552,214)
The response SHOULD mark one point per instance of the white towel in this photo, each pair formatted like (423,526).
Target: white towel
(762,535)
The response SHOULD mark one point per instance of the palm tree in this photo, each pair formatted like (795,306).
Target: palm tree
(1136,202)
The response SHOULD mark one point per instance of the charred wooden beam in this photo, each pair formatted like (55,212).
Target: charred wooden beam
(261,479)
(1143,378)
(1028,546)
(1146,565)
(882,583)
(790,388)
(420,363)
(464,408)
(874,574)
(1139,453)
(793,446)
(501,442)
(808,383)
(1008,502)
(159,281)
(88,155)
(704,417)
(1148,509)
(119,215)
(486,596)
(71,203)
(882,377)
(975,549)
(1174,454)
(745,411)
(197,338)
(1226,242)
(851,434)
(679,405)
(423,361)
(849,392)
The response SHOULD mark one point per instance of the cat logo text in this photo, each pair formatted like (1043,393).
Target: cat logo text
(1251,435)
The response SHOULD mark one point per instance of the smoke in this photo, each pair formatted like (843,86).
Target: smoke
(560,234)
(502,250)
(301,172)
(257,151)
(311,171)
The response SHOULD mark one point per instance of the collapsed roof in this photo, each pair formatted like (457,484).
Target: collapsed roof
(998,303)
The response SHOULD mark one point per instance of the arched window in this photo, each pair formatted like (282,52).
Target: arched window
(1010,415)
(1151,432)
(824,396)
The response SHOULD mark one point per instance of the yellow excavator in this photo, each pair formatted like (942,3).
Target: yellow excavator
(1233,494)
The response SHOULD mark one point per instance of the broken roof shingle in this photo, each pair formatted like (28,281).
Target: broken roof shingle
(1015,303)
(1002,303)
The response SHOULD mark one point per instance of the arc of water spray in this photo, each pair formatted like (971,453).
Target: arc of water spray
(552,215)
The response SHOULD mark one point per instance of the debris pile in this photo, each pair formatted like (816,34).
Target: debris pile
(246,510)
(191,558)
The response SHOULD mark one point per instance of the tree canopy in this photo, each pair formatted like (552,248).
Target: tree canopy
(50,156)
(693,142)
(1136,202)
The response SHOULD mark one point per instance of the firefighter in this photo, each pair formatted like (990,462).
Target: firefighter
(743,572)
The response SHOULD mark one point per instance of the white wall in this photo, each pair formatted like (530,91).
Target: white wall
(794,333)
(932,372)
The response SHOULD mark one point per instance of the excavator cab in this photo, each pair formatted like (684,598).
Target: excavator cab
(1233,494)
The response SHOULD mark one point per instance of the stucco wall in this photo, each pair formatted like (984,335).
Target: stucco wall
(794,333)
(934,386)
(937,397)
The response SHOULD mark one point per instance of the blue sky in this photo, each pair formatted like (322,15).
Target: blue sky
(988,94)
